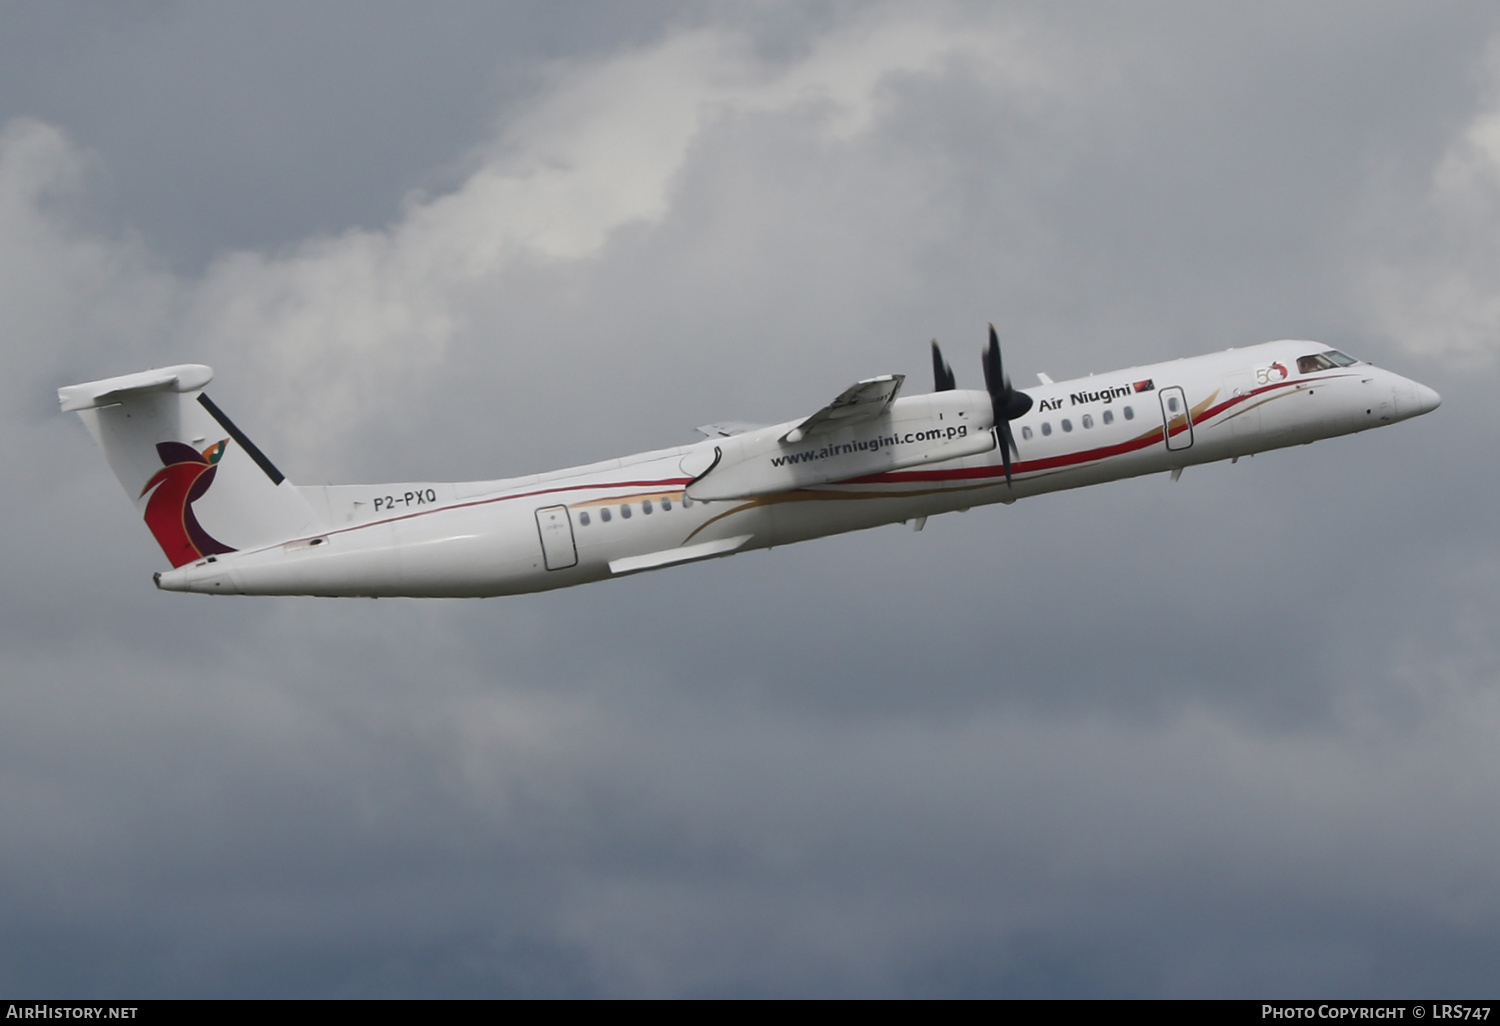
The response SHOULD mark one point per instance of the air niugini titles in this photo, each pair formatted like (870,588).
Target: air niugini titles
(1103,395)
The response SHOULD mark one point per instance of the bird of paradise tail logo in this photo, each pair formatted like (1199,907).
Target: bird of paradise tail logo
(183,479)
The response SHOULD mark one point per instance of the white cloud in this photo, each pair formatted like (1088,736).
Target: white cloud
(342,319)
(1437,284)
(65,290)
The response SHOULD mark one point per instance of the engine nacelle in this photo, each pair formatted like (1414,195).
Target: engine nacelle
(913,431)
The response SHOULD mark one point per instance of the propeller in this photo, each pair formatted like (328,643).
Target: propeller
(941,372)
(1008,403)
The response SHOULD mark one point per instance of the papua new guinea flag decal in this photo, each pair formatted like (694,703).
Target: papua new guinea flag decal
(183,479)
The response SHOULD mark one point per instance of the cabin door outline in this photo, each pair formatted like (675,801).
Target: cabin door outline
(555,527)
(1176,419)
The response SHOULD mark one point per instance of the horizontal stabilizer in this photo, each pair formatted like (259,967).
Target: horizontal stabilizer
(185,377)
(685,554)
(863,400)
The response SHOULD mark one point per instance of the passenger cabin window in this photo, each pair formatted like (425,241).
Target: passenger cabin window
(646,506)
(666,502)
(1067,425)
(583,518)
(1026,432)
(1109,416)
(1088,421)
(604,514)
(1172,403)
(687,501)
(1129,413)
(1046,427)
(625,510)
(1314,363)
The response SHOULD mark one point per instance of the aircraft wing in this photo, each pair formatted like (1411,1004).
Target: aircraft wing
(864,400)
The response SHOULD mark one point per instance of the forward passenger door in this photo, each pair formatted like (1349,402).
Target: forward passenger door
(1176,421)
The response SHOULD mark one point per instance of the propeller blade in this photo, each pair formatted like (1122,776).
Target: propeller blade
(1007,446)
(1007,403)
(993,373)
(1008,440)
(992,362)
(942,374)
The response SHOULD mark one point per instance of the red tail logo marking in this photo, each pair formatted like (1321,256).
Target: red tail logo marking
(183,479)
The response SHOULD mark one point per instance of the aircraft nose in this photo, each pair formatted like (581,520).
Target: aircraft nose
(1412,398)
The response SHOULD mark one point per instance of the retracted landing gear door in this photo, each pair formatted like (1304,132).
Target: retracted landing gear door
(556,529)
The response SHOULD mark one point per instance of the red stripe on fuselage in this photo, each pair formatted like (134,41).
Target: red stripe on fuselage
(667,483)
(1071,459)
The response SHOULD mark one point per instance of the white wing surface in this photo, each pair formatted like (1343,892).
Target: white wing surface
(864,400)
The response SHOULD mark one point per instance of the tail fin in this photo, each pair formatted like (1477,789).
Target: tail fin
(202,487)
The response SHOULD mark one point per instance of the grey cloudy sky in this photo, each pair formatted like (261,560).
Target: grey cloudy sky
(1229,737)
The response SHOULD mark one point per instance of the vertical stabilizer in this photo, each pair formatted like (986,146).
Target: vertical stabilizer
(201,486)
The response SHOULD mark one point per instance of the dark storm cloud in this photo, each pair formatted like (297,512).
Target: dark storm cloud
(1225,736)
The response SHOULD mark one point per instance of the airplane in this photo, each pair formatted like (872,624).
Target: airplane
(231,523)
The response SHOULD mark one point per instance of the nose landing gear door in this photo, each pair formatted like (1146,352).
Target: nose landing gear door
(556,529)
(1176,421)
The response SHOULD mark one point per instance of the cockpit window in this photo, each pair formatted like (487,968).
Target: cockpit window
(1342,359)
(1313,364)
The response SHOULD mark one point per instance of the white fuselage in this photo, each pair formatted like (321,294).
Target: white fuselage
(639,512)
